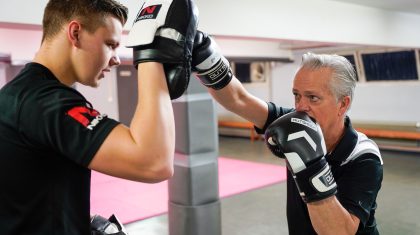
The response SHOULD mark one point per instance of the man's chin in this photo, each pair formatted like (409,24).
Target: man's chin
(93,84)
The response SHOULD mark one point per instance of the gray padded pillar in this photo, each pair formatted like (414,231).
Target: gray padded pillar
(194,205)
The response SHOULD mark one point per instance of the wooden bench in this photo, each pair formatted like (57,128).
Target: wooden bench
(241,125)
(370,132)
(393,135)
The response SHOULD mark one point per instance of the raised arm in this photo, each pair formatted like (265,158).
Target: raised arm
(144,151)
(214,71)
(162,40)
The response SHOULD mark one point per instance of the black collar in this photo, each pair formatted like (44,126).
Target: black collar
(346,145)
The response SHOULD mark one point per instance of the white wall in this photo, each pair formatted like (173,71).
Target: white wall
(2,74)
(315,20)
(21,44)
(282,81)
(255,48)
(387,102)
(21,11)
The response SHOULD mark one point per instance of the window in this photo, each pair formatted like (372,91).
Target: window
(352,59)
(386,66)
(251,71)
(242,72)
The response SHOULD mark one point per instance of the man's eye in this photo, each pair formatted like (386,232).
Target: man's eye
(112,45)
(313,98)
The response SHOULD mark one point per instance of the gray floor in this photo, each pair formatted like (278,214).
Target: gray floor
(262,211)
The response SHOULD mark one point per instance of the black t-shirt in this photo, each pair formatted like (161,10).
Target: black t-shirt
(49,134)
(356,165)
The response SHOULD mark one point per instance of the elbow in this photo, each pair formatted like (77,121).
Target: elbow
(153,175)
(166,172)
(152,165)
(165,167)
(161,169)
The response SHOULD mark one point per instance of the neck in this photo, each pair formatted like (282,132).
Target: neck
(334,137)
(55,56)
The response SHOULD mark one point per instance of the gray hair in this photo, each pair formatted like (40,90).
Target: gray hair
(343,80)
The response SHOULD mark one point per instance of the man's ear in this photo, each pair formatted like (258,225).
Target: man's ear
(73,32)
(344,105)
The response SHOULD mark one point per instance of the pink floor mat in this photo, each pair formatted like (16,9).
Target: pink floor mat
(132,201)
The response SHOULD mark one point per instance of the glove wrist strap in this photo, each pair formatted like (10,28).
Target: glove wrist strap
(316,182)
(218,76)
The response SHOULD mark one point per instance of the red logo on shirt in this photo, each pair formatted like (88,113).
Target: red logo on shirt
(86,116)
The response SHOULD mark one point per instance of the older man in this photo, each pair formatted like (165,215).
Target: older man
(332,182)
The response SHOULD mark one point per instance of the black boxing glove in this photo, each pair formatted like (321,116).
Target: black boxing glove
(164,32)
(111,226)
(211,67)
(298,138)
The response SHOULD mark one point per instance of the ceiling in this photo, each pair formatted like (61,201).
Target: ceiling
(409,6)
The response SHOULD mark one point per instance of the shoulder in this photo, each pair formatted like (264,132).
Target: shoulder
(36,85)
(274,112)
(46,101)
(364,148)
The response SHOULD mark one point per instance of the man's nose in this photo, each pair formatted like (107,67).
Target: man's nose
(115,60)
(302,105)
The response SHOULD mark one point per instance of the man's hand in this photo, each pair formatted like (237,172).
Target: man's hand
(299,139)
(164,32)
(212,68)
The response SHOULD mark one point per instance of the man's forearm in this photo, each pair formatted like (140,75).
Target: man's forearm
(328,216)
(153,122)
(236,99)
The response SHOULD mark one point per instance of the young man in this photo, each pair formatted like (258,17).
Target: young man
(334,175)
(50,135)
